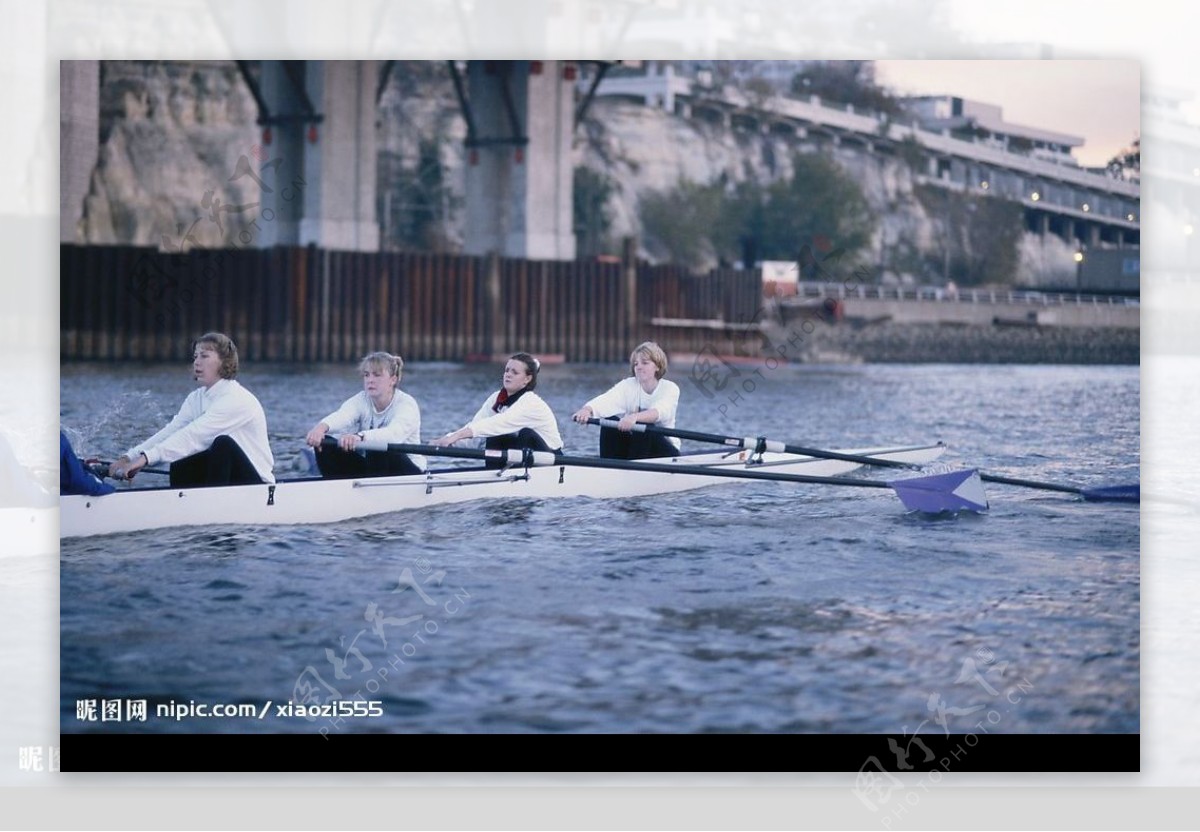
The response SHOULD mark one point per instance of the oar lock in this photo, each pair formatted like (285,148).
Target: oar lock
(759,445)
(520,458)
(760,448)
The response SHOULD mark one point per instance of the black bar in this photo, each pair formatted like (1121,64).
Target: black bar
(463,103)
(510,107)
(602,68)
(384,74)
(864,753)
(515,141)
(264,112)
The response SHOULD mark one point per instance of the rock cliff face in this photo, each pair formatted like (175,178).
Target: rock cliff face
(171,135)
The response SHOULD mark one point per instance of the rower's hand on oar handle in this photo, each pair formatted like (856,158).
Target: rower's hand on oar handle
(585,416)
(450,438)
(349,441)
(125,468)
(345,441)
(316,436)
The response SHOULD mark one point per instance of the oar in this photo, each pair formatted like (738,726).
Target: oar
(1110,493)
(100,468)
(955,491)
(758,444)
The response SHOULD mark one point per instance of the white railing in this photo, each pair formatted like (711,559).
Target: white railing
(937,294)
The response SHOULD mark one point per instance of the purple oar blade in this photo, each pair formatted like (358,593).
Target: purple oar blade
(956,491)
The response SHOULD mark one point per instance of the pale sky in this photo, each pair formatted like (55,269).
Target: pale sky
(1099,100)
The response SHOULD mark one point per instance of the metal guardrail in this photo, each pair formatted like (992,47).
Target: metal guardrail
(937,294)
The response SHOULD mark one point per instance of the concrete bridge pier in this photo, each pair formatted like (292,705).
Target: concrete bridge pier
(321,121)
(520,121)
(79,142)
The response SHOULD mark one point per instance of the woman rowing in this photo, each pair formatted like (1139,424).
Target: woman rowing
(219,436)
(514,416)
(381,413)
(645,397)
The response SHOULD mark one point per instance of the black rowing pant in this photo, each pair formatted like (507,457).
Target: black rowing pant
(616,444)
(224,463)
(525,438)
(336,464)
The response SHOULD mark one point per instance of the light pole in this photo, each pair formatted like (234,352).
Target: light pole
(1079,269)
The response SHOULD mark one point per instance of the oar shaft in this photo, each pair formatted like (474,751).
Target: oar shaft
(515,457)
(1045,486)
(757,443)
(707,471)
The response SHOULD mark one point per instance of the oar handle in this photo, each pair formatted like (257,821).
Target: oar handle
(733,441)
(101,467)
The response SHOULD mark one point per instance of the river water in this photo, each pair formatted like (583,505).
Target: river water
(755,607)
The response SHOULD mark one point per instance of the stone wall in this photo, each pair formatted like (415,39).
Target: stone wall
(933,343)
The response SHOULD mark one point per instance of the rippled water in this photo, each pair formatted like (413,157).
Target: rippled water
(743,607)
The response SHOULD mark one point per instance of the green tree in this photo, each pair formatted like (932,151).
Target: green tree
(758,90)
(683,220)
(415,203)
(910,151)
(820,206)
(846,82)
(592,218)
(820,202)
(980,240)
(1127,164)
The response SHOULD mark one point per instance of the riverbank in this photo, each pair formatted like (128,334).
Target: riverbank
(933,343)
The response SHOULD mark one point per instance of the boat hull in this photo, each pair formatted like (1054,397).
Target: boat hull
(329,501)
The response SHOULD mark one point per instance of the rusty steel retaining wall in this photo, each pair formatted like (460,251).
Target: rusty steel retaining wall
(306,304)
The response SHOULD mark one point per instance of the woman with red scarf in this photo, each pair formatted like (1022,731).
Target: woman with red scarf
(514,416)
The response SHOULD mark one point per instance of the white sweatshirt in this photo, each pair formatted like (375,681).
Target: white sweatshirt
(227,408)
